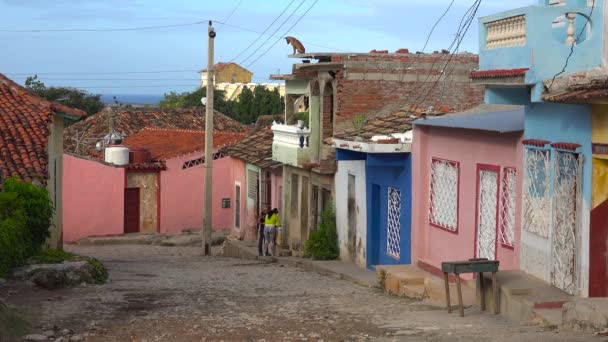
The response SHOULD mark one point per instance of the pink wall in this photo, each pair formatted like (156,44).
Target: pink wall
(93,198)
(182,194)
(432,245)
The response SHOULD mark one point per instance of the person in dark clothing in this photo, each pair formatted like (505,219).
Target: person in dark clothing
(261,222)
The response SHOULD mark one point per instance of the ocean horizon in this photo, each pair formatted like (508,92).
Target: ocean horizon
(133,99)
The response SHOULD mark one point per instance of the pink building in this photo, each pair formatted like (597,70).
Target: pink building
(466,187)
(256,175)
(159,188)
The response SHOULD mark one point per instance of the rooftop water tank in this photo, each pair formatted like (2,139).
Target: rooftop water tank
(117,155)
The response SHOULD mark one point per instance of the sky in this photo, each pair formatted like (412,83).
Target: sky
(136,61)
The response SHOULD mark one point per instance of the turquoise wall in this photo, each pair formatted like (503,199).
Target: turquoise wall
(545,51)
(563,123)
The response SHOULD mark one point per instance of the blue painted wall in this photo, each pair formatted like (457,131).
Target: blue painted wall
(563,123)
(545,51)
(383,171)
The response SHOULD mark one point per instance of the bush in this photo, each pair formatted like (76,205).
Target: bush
(53,256)
(323,242)
(25,218)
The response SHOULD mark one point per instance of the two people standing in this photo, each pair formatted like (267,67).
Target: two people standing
(267,231)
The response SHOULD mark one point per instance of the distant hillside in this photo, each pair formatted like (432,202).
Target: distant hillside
(132,99)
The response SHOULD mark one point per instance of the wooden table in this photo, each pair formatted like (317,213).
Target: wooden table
(478,266)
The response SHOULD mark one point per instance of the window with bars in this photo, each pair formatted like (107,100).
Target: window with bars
(393,223)
(443,203)
(507,207)
(237,206)
(536,196)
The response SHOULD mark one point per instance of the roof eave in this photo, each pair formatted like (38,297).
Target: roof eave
(372,146)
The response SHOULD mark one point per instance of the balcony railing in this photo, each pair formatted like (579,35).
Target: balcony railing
(508,32)
(291,135)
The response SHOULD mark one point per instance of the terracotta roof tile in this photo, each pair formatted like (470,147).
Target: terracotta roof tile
(25,125)
(256,148)
(132,120)
(165,144)
(399,121)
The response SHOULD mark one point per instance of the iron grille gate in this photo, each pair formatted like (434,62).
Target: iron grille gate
(443,209)
(566,218)
(507,207)
(536,201)
(393,223)
(487,207)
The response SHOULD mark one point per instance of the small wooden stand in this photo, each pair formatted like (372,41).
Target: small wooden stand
(471,266)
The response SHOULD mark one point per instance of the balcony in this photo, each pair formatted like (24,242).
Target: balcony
(539,39)
(290,144)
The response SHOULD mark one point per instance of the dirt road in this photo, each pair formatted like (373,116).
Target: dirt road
(174,294)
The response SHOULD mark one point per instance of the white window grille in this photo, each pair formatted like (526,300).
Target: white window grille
(507,207)
(393,224)
(536,197)
(443,209)
(566,205)
(200,161)
(487,210)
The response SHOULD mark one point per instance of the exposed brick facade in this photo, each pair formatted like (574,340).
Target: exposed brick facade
(377,84)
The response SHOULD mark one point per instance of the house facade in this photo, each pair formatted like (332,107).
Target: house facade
(31,144)
(520,58)
(467,177)
(156,188)
(257,176)
(227,73)
(339,88)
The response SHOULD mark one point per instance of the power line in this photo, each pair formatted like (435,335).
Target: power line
(26,75)
(262,33)
(286,32)
(104,73)
(578,37)
(274,33)
(138,28)
(233,10)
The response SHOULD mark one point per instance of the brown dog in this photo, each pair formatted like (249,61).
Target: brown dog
(297,45)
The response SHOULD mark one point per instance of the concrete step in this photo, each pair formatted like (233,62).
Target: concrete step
(548,318)
(417,292)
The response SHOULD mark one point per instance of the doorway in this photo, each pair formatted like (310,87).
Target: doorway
(131,210)
(487,211)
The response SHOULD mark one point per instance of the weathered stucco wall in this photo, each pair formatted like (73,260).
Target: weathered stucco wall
(93,198)
(432,245)
(352,236)
(147,182)
(182,194)
(560,123)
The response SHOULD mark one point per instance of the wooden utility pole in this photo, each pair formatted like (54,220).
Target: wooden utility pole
(208,201)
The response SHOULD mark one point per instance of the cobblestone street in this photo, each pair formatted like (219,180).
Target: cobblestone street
(174,294)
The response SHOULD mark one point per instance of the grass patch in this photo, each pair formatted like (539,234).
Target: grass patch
(53,256)
(382,280)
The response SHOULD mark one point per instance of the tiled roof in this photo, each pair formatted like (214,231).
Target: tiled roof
(581,87)
(498,73)
(25,126)
(165,144)
(256,148)
(396,122)
(132,120)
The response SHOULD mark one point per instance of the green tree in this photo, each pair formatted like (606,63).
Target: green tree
(192,99)
(70,97)
(250,104)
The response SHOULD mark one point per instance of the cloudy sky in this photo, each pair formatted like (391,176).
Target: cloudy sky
(130,62)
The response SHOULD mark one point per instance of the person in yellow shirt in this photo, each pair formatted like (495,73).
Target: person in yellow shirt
(271,222)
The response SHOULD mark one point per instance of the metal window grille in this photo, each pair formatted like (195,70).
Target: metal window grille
(252,184)
(507,207)
(443,209)
(566,219)
(536,198)
(393,224)
(486,214)
(200,161)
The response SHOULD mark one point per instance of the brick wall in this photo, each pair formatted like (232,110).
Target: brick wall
(327,115)
(376,84)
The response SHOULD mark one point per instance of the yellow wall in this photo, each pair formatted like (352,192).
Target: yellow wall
(225,74)
(599,135)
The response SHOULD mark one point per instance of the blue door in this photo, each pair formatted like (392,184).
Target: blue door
(373,244)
